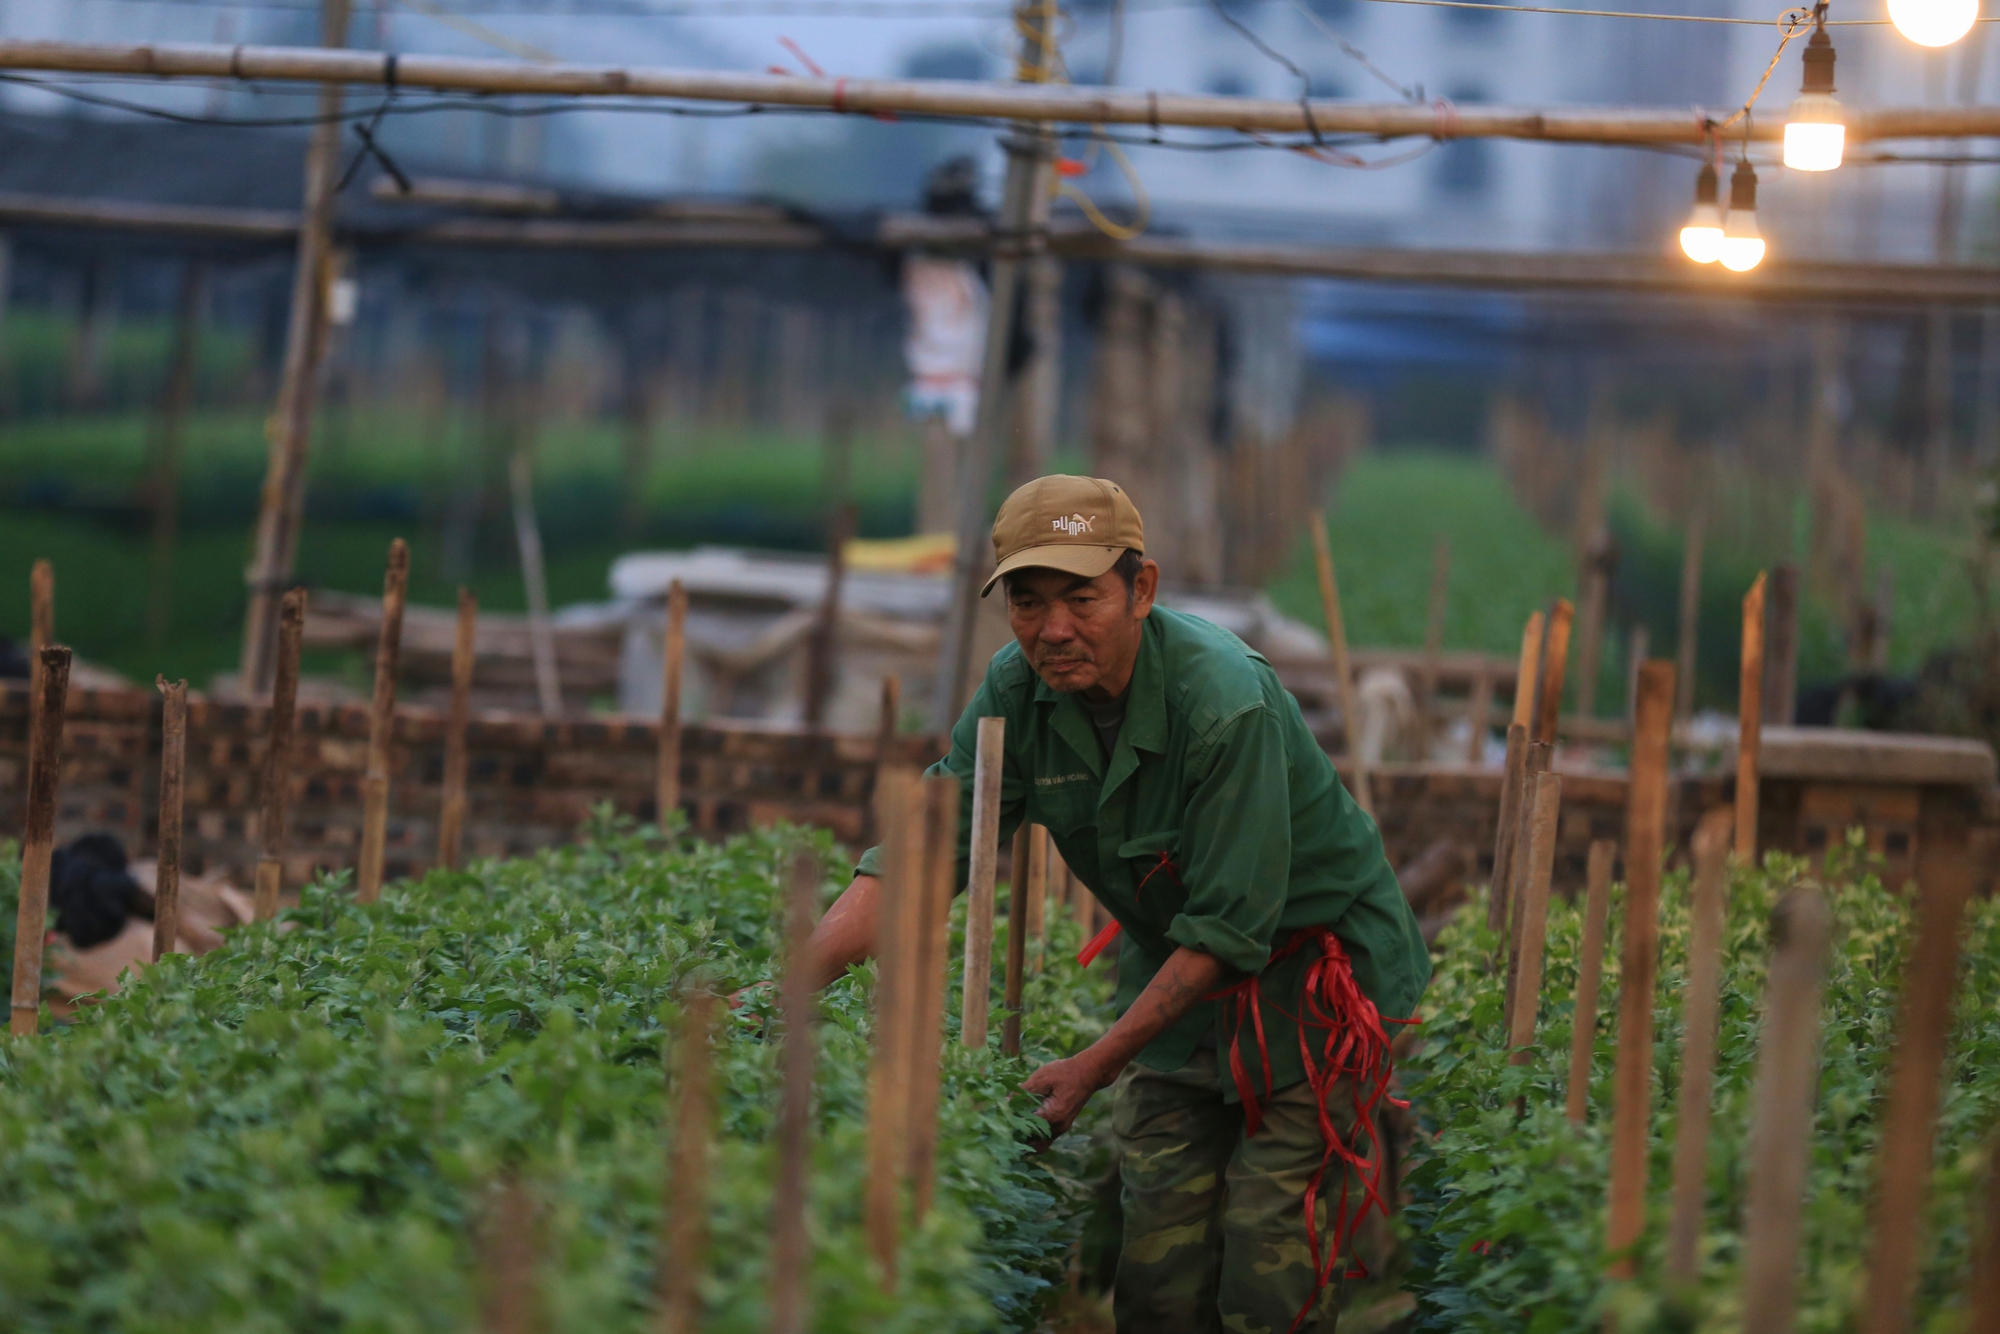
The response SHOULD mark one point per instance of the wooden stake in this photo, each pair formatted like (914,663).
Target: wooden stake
(1017,941)
(901,819)
(1645,838)
(1479,713)
(1518,873)
(684,1229)
(381,727)
(173,773)
(1690,624)
(823,650)
(1433,643)
(451,817)
(1343,669)
(41,635)
(1947,874)
(941,808)
(1781,1129)
(885,737)
(1526,993)
(1598,558)
(1512,781)
(1983,1292)
(1528,673)
(38,839)
(667,772)
(983,869)
(278,755)
(1699,1007)
(1781,645)
(511,1304)
(1589,974)
(1750,722)
(1554,663)
(791,1246)
(535,580)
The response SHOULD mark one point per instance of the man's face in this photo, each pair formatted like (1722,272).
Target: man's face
(1078,633)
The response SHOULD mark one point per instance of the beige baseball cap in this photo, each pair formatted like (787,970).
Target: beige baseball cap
(1079,525)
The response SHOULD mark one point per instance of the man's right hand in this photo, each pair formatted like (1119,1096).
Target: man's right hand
(846,935)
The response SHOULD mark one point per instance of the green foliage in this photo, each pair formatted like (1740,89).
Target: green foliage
(1508,1219)
(302,1130)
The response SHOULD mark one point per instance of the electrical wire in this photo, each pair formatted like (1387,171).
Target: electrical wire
(1356,54)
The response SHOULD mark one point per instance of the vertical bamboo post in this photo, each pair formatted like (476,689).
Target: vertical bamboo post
(1528,671)
(41,635)
(1479,713)
(684,1228)
(173,776)
(1781,644)
(1781,1126)
(941,807)
(1512,779)
(901,820)
(823,648)
(1690,620)
(1343,670)
(1946,876)
(667,770)
(1017,941)
(1536,764)
(1645,836)
(278,755)
(1526,993)
(510,1303)
(1554,665)
(982,870)
(535,579)
(1750,722)
(1982,1300)
(791,1247)
(1599,556)
(1699,1008)
(451,817)
(381,727)
(885,736)
(1589,975)
(38,839)
(1440,602)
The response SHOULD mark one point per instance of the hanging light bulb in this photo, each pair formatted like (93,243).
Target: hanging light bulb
(1742,244)
(1933,22)
(1701,234)
(1815,130)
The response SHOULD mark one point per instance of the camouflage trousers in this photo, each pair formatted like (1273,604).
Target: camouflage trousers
(1215,1236)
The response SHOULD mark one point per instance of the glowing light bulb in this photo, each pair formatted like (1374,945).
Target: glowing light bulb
(1701,235)
(1742,244)
(1815,128)
(1933,22)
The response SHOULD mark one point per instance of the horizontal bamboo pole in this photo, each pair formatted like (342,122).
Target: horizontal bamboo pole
(1053,103)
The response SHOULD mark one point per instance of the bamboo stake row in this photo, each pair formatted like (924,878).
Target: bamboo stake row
(381,727)
(278,756)
(38,838)
(173,776)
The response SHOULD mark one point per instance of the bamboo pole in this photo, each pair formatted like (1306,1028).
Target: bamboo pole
(1750,722)
(173,775)
(381,727)
(1343,668)
(1946,877)
(1479,713)
(667,769)
(1554,664)
(1533,766)
(1017,941)
(1781,1126)
(281,508)
(1598,559)
(1690,619)
(1645,837)
(885,737)
(41,635)
(38,839)
(1513,779)
(511,1303)
(1528,672)
(791,1246)
(983,869)
(1781,645)
(1526,993)
(1982,1298)
(684,1227)
(278,755)
(900,816)
(1440,601)
(451,817)
(941,806)
(1699,1008)
(1589,975)
(535,580)
(823,649)
(1035,102)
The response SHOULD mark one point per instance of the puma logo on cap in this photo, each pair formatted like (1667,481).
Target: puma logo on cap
(1074,524)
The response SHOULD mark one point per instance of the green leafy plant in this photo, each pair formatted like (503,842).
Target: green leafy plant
(1507,1223)
(304,1130)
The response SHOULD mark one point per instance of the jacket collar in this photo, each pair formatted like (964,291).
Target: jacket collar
(1145,711)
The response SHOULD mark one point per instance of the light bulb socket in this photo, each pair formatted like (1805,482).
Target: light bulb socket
(1706,185)
(1743,188)
(1819,63)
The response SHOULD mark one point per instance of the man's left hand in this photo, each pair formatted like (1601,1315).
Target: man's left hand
(1065,1086)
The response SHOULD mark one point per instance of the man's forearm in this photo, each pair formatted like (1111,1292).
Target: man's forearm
(1183,979)
(846,934)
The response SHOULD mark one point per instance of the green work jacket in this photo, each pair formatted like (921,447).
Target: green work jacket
(1215,768)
